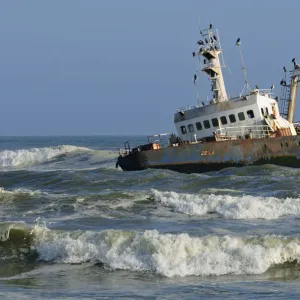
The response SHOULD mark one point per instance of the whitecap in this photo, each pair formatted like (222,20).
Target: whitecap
(229,206)
(167,254)
(25,157)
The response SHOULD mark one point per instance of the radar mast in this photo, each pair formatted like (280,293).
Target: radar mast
(210,48)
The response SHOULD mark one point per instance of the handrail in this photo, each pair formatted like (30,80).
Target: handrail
(158,134)
(160,140)
(187,107)
(241,132)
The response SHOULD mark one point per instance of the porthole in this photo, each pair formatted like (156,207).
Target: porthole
(232,118)
(206,124)
(223,120)
(241,116)
(191,128)
(250,114)
(198,126)
(215,122)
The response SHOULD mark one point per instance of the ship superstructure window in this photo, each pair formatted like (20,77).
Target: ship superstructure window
(223,120)
(183,129)
(250,114)
(241,116)
(232,118)
(267,111)
(191,128)
(199,126)
(206,124)
(262,111)
(215,122)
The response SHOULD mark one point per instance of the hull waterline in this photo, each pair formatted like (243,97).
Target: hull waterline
(214,156)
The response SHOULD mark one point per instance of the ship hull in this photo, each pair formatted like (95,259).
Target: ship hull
(214,156)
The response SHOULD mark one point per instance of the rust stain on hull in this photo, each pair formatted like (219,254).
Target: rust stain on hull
(211,156)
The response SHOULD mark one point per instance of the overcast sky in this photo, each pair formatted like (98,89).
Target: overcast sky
(123,67)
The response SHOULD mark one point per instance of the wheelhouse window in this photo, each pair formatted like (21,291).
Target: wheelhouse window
(215,122)
(223,120)
(183,129)
(199,126)
(267,111)
(191,128)
(241,116)
(250,114)
(262,112)
(232,118)
(206,124)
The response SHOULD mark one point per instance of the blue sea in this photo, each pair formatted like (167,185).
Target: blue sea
(75,227)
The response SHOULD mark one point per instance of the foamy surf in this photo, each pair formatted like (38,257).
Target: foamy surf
(25,157)
(228,206)
(19,192)
(6,228)
(167,254)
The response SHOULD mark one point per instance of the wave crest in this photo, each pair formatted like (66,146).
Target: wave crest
(25,157)
(231,207)
(170,255)
(167,254)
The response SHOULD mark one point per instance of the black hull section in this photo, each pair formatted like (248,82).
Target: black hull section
(133,162)
(214,156)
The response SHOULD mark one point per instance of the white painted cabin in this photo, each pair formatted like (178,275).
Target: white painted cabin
(196,123)
(255,112)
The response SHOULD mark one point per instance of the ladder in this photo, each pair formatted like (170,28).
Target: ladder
(284,99)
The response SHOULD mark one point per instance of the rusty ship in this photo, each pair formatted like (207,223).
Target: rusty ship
(254,128)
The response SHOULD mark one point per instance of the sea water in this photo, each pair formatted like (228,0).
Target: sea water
(75,227)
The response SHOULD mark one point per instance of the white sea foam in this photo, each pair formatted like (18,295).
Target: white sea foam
(166,254)
(228,206)
(6,227)
(25,157)
(18,192)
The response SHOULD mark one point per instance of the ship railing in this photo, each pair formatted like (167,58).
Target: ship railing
(163,139)
(297,127)
(123,152)
(243,132)
(189,107)
(126,150)
(184,108)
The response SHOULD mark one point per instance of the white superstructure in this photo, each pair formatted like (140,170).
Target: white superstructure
(257,108)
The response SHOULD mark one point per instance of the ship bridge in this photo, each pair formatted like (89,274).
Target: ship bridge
(255,109)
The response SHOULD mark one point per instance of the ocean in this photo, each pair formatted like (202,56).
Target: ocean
(75,227)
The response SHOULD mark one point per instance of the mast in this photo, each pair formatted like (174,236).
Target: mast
(293,92)
(246,85)
(210,50)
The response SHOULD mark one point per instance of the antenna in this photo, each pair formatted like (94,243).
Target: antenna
(246,85)
(223,61)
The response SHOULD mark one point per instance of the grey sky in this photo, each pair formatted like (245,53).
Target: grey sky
(123,67)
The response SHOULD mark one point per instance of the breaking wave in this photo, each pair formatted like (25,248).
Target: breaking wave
(231,207)
(25,157)
(19,192)
(13,231)
(163,254)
